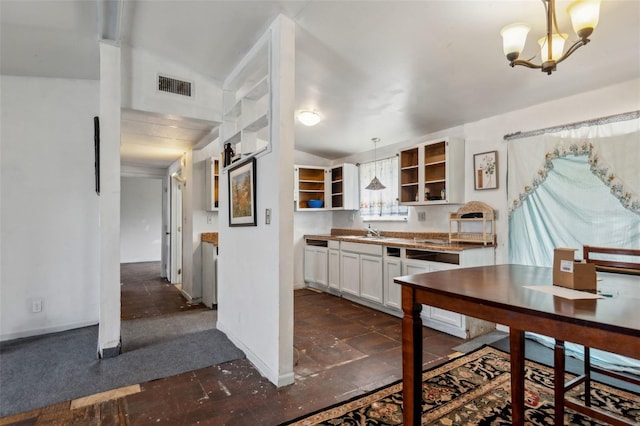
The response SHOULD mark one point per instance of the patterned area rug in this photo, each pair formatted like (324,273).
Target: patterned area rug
(474,389)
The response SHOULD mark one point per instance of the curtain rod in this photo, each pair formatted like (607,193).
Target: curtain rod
(593,122)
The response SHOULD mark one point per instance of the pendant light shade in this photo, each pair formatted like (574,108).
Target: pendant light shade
(375,184)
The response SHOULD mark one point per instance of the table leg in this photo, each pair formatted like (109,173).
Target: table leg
(558,382)
(411,359)
(516,348)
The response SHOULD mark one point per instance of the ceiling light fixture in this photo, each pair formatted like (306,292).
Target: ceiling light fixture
(308,118)
(584,18)
(375,184)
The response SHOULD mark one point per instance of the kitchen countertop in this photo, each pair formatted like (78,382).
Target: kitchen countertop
(209,237)
(428,241)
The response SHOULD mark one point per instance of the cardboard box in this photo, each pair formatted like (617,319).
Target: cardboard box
(569,273)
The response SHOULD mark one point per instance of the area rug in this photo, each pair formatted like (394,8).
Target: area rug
(474,389)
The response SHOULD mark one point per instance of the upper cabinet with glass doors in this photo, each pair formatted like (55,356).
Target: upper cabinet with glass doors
(432,173)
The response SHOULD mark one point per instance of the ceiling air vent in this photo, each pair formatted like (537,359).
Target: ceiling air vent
(172,85)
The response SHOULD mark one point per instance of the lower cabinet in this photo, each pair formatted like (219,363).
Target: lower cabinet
(316,265)
(392,267)
(334,269)
(361,271)
(365,273)
(371,278)
(350,273)
(209,275)
(446,321)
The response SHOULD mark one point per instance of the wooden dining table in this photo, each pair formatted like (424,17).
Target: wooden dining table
(500,294)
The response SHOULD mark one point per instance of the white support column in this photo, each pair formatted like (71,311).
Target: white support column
(283,133)
(110,76)
(255,264)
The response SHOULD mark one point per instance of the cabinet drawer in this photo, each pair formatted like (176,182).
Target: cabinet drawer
(334,244)
(372,249)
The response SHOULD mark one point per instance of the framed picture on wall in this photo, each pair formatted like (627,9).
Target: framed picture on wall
(485,170)
(242,194)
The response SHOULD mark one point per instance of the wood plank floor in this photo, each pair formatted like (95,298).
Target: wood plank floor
(341,350)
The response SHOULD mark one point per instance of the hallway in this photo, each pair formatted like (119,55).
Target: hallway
(341,350)
(145,294)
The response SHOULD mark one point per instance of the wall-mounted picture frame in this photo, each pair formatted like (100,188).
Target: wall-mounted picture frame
(242,194)
(485,170)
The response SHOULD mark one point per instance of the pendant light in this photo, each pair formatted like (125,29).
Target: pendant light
(375,184)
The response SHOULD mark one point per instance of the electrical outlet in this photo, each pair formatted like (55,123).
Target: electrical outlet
(36,306)
(267,216)
(422,216)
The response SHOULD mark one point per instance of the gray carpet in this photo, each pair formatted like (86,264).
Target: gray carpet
(40,371)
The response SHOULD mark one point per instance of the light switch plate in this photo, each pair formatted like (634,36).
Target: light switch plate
(267,216)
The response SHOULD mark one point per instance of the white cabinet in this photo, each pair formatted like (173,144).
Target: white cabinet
(392,267)
(361,270)
(432,173)
(212,169)
(336,187)
(371,278)
(421,261)
(345,194)
(209,275)
(350,273)
(316,265)
(334,267)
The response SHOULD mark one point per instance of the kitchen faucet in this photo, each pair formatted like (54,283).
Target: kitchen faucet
(373,232)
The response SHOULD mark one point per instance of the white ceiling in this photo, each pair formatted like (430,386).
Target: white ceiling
(389,69)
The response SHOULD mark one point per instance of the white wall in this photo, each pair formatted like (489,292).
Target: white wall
(49,224)
(140,220)
(140,70)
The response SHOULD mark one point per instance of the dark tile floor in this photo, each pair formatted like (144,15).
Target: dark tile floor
(145,294)
(341,350)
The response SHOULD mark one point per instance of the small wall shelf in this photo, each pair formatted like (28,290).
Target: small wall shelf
(247,108)
(474,214)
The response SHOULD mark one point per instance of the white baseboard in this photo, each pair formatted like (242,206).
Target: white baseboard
(46,330)
(272,376)
(190,299)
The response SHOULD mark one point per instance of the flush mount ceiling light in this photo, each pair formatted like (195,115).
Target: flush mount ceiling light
(375,184)
(308,118)
(584,18)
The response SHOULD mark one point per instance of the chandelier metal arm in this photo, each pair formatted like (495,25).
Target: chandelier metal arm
(525,63)
(575,46)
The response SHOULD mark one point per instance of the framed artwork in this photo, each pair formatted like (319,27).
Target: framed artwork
(485,170)
(242,194)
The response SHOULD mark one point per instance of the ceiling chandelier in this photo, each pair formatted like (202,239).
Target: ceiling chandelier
(375,183)
(584,18)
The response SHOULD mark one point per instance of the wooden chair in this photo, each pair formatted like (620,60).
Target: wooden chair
(608,265)
(617,266)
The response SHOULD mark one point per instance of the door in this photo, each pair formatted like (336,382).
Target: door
(334,269)
(371,277)
(350,273)
(393,291)
(176,232)
(437,314)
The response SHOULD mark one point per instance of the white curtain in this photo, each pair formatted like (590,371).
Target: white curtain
(613,152)
(382,203)
(562,191)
